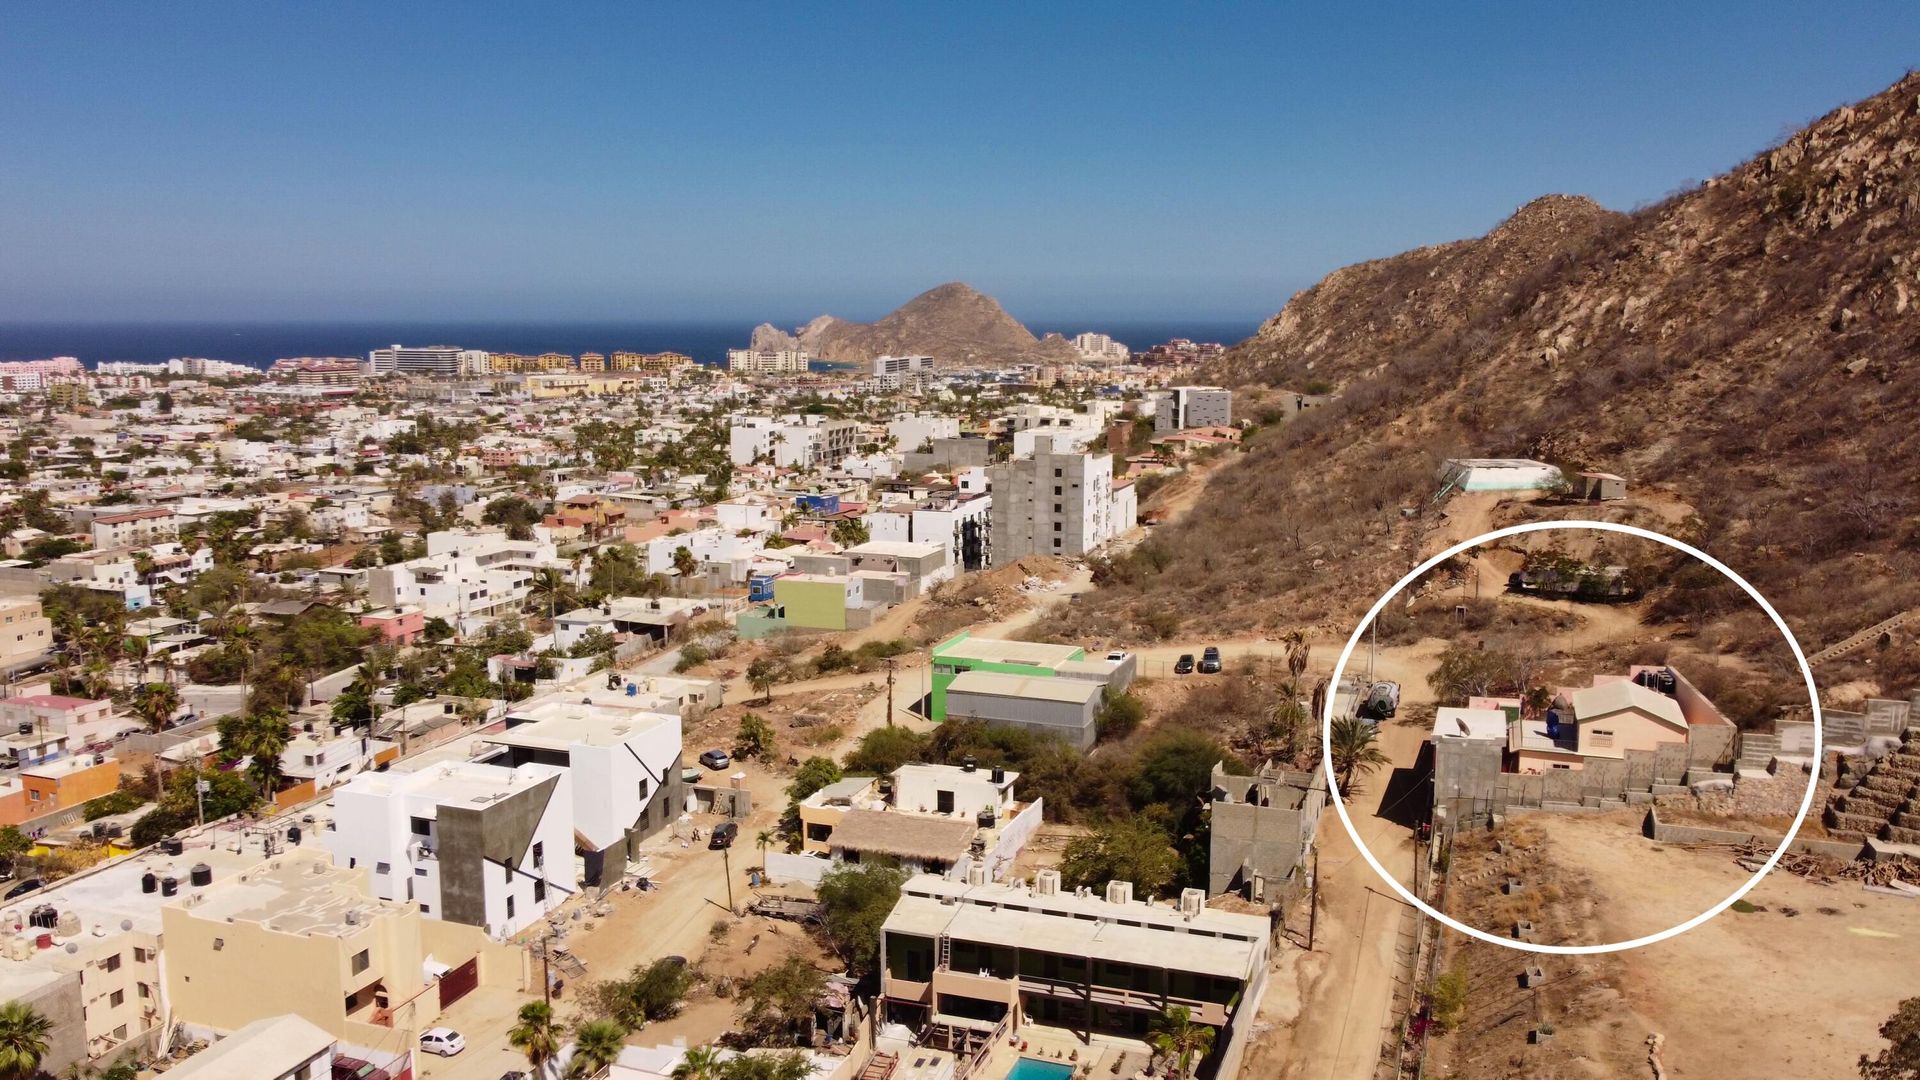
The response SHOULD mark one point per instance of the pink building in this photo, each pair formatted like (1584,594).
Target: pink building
(398,625)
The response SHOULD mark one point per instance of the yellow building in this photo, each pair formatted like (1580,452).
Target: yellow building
(665,365)
(300,935)
(593,361)
(553,361)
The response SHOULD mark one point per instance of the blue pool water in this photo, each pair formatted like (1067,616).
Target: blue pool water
(1035,1069)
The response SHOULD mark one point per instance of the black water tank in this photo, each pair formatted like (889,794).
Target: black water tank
(967,764)
(202,875)
(293,835)
(999,775)
(173,845)
(169,885)
(148,882)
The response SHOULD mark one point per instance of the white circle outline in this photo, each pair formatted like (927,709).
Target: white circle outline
(1339,805)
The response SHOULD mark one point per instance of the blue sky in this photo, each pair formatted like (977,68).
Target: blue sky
(650,161)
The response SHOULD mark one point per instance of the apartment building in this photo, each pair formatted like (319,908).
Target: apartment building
(485,845)
(26,634)
(296,935)
(967,956)
(901,366)
(465,576)
(662,365)
(792,442)
(959,521)
(1183,407)
(624,764)
(415,360)
(767,362)
(1057,503)
(935,819)
(135,528)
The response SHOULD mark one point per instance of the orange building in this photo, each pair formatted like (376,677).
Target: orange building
(55,785)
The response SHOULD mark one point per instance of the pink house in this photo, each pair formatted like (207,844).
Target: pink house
(398,625)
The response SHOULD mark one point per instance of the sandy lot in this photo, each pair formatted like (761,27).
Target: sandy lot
(1796,988)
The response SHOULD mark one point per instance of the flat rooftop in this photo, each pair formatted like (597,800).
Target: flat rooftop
(301,893)
(1035,687)
(557,726)
(1454,723)
(1212,942)
(995,650)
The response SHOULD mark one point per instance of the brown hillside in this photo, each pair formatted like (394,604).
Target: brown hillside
(958,325)
(1748,346)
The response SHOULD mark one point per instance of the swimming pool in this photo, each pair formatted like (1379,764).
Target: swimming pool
(1035,1069)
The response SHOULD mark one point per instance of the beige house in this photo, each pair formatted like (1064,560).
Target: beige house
(1605,720)
(26,634)
(300,935)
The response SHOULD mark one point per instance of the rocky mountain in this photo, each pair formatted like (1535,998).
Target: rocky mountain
(955,323)
(1749,347)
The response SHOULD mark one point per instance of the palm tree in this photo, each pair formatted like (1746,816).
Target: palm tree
(267,739)
(699,1063)
(156,702)
(684,563)
(549,582)
(1352,742)
(241,642)
(763,841)
(1176,1035)
(24,1035)
(596,1045)
(535,1035)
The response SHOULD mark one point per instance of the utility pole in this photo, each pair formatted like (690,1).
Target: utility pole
(200,787)
(546,976)
(1313,902)
(726,856)
(889,691)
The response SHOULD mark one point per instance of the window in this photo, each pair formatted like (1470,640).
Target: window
(111,963)
(1602,737)
(360,961)
(140,954)
(382,868)
(539,854)
(1056,491)
(117,999)
(426,909)
(1056,474)
(539,892)
(507,872)
(509,907)
(643,791)
(419,871)
(1057,526)
(1563,766)
(145,991)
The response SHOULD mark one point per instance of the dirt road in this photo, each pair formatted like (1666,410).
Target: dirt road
(1350,976)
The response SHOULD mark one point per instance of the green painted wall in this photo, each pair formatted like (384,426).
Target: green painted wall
(812,605)
(946,666)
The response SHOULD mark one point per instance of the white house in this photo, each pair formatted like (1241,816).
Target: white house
(485,845)
(625,769)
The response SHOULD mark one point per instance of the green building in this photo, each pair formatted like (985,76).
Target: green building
(812,601)
(963,652)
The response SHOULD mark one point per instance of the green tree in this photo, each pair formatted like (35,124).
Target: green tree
(762,673)
(436,629)
(536,1035)
(699,1063)
(882,750)
(1448,998)
(155,703)
(24,1037)
(776,1006)
(754,739)
(1353,745)
(1464,672)
(855,900)
(813,774)
(786,1065)
(684,562)
(1130,849)
(1120,713)
(1174,1034)
(850,532)
(648,992)
(596,1045)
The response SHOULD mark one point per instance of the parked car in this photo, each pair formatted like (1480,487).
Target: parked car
(723,835)
(716,759)
(1383,700)
(514,1075)
(1184,665)
(445,1042)
(1210,660)
(352,1068)
(24,888)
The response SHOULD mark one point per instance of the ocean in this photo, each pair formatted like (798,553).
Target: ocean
(261,343)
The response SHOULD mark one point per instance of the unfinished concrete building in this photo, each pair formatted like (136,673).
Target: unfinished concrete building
(1263,827)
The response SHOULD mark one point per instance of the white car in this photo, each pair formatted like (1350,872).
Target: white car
(445,1042)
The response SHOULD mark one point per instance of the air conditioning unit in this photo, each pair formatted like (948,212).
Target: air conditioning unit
(1046,883)
(1192,902)
(1119,892)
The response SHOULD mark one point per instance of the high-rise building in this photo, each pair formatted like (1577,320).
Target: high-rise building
(901,365)
(593,361)
(1056,503)
(765,362)
(1099,347)
(419,360)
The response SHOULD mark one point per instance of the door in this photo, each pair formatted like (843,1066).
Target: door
(459,982)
